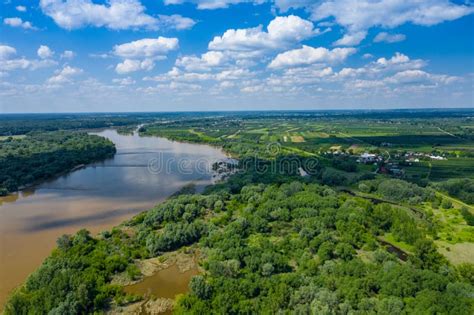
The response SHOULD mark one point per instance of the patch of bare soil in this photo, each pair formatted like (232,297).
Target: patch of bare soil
(185,260)
(147,307)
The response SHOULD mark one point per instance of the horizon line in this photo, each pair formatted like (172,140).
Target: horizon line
(252,111)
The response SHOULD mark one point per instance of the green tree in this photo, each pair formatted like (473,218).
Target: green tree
(426,256)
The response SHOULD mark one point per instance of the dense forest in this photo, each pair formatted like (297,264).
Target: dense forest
(19,124)
(39,156)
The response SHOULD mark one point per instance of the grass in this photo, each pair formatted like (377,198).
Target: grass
(457,253)
(452,168)
(297,139)
(451,226)
(203,136)
(2,138)
(388,237)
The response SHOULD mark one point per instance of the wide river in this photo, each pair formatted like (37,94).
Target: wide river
(144,171)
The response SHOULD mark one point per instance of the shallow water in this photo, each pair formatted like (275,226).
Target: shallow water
(144,171)
(166,283)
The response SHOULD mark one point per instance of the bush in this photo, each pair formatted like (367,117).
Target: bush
(446,204)
(462,188)
(468,216)
(133,272)
(402,191)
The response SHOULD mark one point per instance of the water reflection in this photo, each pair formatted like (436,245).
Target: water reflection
(95,197)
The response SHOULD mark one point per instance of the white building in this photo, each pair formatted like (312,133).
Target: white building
(367,158)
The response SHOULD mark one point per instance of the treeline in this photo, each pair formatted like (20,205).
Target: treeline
(291,247)
(43,155)
(462,189)
(19,124)
(398,191)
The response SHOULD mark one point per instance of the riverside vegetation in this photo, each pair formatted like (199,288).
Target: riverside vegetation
(279,242)
(39,156)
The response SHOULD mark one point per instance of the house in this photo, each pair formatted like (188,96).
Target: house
(437,157)
(367,158)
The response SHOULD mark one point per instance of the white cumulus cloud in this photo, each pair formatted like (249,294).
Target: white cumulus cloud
(18,22)
(142,54)
(44,52)
(212,4)
(358,16)
(116,14)
(205,62)
(309,55)
(351,39)
(176,21)
(282,31)
(9,61)
(132,65)
(64,75)
(6,52)
(389,38)
(68,54)
(113,14)
(398,62)
(147,47)
(419,77)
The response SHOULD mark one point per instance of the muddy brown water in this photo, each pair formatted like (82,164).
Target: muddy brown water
(166,283)
(145,171)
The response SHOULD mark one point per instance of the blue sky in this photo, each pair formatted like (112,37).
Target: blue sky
(132,55)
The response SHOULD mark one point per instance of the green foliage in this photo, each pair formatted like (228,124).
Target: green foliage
(174,236)
(133,272)
(344,163)
(466,272)
(200,288)
(333,177)
(462,188)
(402,191)
(41,156)
(468,216)
(446,204)
(19,124)
(404,228)
(268,268)
(425,255)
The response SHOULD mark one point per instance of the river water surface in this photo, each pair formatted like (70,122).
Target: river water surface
(144,171)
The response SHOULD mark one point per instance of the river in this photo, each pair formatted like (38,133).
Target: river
(144,171)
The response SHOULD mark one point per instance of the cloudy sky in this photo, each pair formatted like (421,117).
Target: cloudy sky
(170,55)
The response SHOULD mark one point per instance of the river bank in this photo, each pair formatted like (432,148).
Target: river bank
(97,197)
